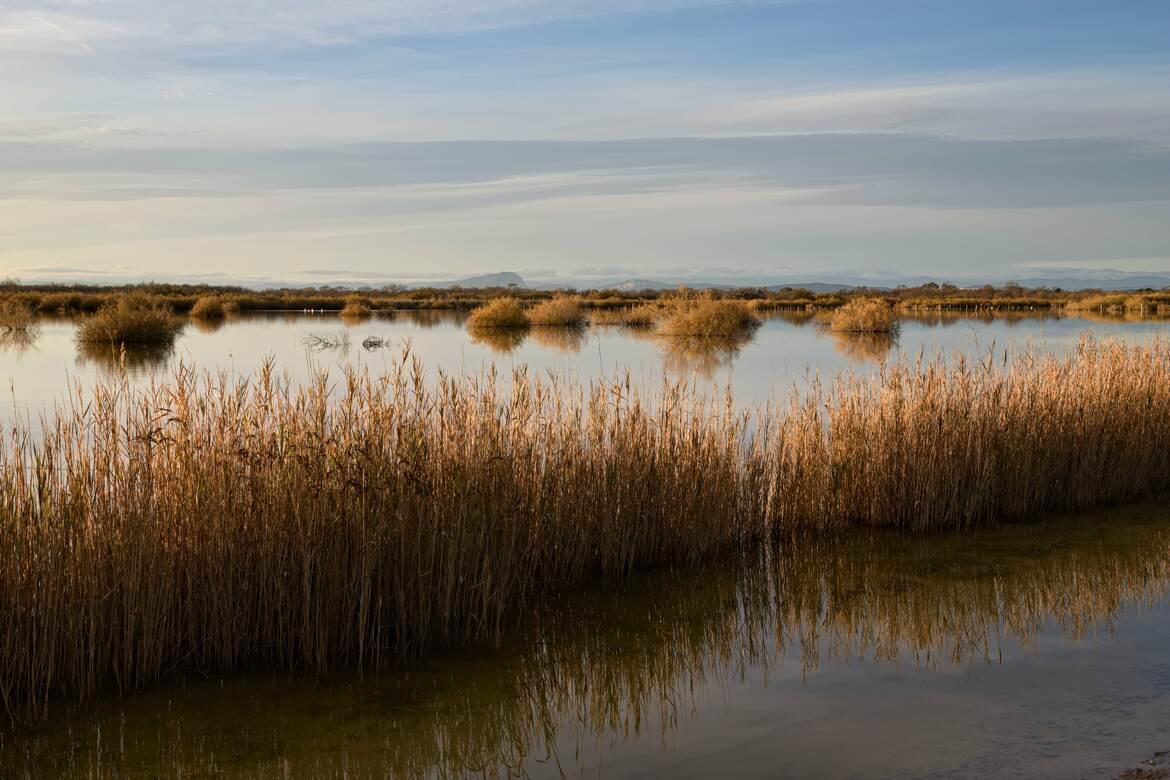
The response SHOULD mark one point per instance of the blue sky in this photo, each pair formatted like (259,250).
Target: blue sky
(291,140)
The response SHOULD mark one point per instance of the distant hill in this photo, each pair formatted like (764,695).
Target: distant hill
(501,279)
(1126,282)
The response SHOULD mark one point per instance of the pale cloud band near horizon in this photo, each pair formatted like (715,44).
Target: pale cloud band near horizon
(267,139)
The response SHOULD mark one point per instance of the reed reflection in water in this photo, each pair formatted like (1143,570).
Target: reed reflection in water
(633,662)
(137,358)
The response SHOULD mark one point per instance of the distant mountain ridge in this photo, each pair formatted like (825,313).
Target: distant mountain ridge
(499,279)
(638,284)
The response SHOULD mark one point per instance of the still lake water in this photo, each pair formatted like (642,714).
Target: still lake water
(1037,650)
(784,352)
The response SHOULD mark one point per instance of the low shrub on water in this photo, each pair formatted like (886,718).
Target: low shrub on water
(710,318)
(356,308)
(209,307)
(862,315)
(562,311)
(131,319)
(215,524)
(499,313)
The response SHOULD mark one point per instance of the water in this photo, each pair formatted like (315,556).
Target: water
(1034,650)
(783,352)
(1037,650)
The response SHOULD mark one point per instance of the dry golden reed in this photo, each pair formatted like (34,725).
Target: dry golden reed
(641,316)
(211,524)
(562,311)
(620,662)
(863,315)
(208,308)
(130,319)
(708,318)
(499,313)
(356,308)
(16,318)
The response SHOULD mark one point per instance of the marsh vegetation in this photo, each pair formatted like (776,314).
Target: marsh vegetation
(638,661)
(130,320)
(213,524)
(499,313)
(862,315)
(563,311)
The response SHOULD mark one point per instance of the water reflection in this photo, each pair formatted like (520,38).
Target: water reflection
(430,318)
(19,341)
(560,339)
(632,663)
(208,324)
(503,341)
(136,358)
(862,347)
(683,355)
(781,353)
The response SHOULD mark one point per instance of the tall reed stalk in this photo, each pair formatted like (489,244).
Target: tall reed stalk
(214,524)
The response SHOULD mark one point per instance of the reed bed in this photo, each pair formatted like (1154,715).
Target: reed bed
(621,662)
(214,524)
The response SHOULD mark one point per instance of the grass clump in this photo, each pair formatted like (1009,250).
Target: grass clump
(862,315)
(210,308)
(356,308)
(499,313)
(131,319)
(562,311)
(16,317)
(710,319)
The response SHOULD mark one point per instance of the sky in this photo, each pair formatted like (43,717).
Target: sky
(353,141)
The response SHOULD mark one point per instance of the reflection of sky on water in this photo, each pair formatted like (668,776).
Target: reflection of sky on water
(784,351)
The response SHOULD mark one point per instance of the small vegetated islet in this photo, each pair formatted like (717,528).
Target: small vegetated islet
(862,315)
(499,313)
(710,319)
(562,311)
(209,308)
(356,308)
(130,320)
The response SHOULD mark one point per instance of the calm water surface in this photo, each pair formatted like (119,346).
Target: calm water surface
(1034,651)
(1027,651)
(784,352)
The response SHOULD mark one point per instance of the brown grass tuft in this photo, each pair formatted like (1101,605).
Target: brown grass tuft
(208,308)
(16,317)
(356,308)
(862,315)
(131,319)
(710,319)
(562,311)
(499,313)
